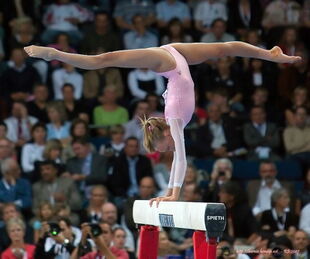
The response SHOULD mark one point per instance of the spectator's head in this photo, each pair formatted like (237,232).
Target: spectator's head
(256,65)
(223,64)
(16,230)
(102,22)
(107,233)
(109,213)
(52,150)
(222,169)
(65,226)
(10,169)
(81,147)
(6,148)
(63,41)
(40,93)
(68,92)
(218,28)
(56,112)
(117,133)
(220,97)
(214,112)
(109,95)
(258,115)
(21,28)
(191,192)
(300,241)
(62,210)
(45,211)
(18,57)
(48,171)
(19,110)
(289,36)
(253,37)
(280,199)
(231,194)
(119,238)
(268,172)
(147,188)
(225,250)
(79,128)
(131,148)
(138,23)
(300,96)
(191,176)
(38,132)
(301,116)
(98,195)
(3,130)
(10,211)
(260,96)
(142,109)
(175,29)
(153,101)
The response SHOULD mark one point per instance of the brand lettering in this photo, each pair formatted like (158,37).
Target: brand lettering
(215,218)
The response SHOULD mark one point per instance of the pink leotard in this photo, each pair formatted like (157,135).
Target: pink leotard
(179,108)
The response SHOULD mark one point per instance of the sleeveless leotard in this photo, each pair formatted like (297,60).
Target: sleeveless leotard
(179,96)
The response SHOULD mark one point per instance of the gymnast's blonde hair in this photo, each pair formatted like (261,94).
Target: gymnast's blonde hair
(153,129)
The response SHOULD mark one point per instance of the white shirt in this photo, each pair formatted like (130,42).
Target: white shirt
(12,124)
(61,76)
(133,129)
(263,201)
(207,12)
(218,135)
(304,220)
(140,75)
(31,153)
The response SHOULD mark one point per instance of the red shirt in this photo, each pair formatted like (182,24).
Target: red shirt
(119,253)
(8,254)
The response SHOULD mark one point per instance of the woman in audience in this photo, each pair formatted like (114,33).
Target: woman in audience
(176,33)
(18,248)
(155,107)
(119,238)
(116,144)
(53,151)
(33,151)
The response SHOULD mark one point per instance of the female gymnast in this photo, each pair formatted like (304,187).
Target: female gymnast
(170,61)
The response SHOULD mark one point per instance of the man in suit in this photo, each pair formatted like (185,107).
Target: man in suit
(54,189)
(128,170)
(261,137)
(259,191)
(301,244)
(218,137)
(86,167)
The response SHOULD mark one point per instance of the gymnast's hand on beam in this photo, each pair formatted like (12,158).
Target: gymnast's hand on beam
(40,52)
(163,198)
(279,57)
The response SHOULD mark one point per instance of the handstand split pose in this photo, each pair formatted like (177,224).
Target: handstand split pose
(170,61)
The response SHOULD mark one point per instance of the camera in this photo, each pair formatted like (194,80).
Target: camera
(277,252)
(54,229)
(95,229)
(222,173)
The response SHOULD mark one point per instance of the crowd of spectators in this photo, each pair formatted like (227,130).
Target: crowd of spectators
(71,156)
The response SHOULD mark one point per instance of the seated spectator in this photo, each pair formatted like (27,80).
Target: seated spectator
(128,170)
(62,210)
(62,43)
(126,10)
(261,137)
(279,220)
(206,12)
(297,138)
(73,106)
(303,197)
(116,144)
(9,212)
(133,127)
(64,16)
(3,130)
(225,249)
(55,189)
(37,107)
(169,9)
(59,127)
(300,98)
(162,171)
(244,15)
(155,107)
(87,167)
(33,151)
(259,191)
(139,37)
(119,239)
(144,81)
(253,37)
(7,149)
(18,248)
(191,193)
(53,152)
(109,215)
(19,124)
(13,188)
(301,244)
(240,221)
(67,75)
(98,196)
(109,113)
(304,222)
(221,173)
(19,77)
(175,33)
(100,36)
(289,42)
(166,247)
(217,33)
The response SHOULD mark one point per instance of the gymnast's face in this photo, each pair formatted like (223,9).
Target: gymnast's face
(166,143)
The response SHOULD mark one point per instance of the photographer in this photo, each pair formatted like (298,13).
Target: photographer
(226,251)
(101,235)
(58,240)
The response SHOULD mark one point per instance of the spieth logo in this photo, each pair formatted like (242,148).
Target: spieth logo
(215,218)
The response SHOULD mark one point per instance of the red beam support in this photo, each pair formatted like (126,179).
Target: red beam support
(200,245)
(148,247)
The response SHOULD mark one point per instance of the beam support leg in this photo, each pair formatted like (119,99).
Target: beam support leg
(200,245)
(148,246)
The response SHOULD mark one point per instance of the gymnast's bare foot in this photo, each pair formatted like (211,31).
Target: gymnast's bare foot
(163,198)
(40,52)
(278,56)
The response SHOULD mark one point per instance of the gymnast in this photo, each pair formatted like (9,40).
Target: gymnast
(170,61)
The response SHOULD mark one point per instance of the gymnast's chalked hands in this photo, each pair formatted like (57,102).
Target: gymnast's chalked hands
(278,56)
(163,198)
(39,52)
